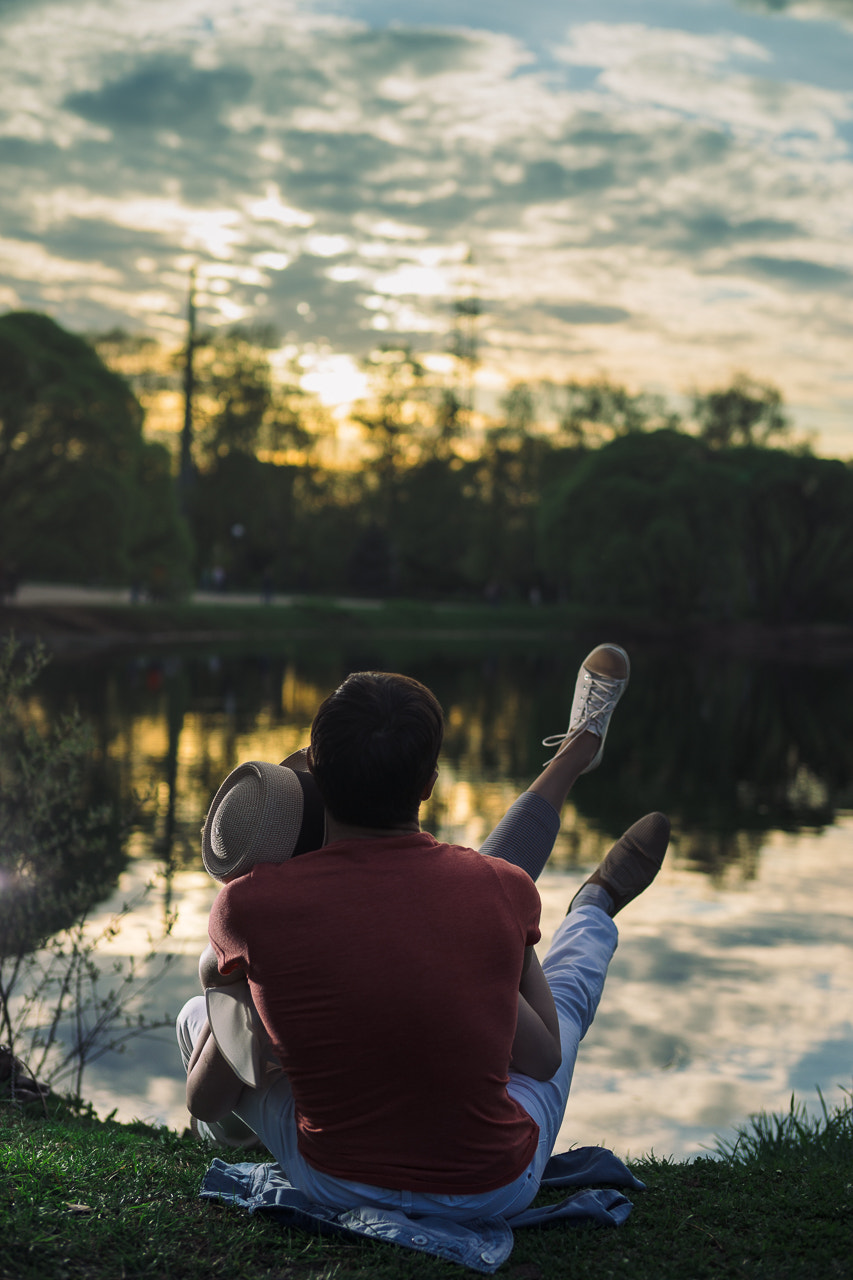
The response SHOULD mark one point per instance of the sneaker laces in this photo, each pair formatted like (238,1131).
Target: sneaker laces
(601,695)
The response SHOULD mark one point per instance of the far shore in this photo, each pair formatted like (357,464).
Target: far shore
(68,618)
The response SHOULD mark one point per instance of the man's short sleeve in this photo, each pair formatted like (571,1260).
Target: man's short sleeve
(524,897)
(227,937)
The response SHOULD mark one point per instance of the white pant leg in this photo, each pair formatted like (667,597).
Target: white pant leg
(266,1113)
(576,967)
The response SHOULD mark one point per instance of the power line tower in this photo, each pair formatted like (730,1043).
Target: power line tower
(186,472)
(464,348)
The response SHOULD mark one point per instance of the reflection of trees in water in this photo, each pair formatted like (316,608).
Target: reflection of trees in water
(734,748)
(170,727)
(730,748)
(61,834)
(721,855)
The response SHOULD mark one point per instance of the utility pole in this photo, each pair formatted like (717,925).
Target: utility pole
(186,473)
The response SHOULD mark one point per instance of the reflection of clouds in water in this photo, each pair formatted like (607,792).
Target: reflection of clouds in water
(145,1081)
(719,1002)
(191,892)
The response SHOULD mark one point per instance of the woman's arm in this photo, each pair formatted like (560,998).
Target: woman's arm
(536,1048)
(208,971)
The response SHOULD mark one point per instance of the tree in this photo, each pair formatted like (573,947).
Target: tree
(665,526)
(82,494)
(505,479)
(796,536)
(600,410)
(239,407)
(433,530)
(747,412)
(243,514)
(394,416)
(646,525)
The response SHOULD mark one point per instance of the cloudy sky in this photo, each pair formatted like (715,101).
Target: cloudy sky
(658,191)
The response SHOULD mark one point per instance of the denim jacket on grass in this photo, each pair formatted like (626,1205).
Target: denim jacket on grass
(482,1244)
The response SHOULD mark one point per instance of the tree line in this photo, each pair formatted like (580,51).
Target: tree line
(619,504)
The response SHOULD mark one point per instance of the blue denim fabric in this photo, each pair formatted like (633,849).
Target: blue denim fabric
(482,1244)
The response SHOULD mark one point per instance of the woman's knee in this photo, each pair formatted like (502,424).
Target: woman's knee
(188,1025)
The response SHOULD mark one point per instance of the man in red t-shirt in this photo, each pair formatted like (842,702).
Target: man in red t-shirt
(426,1062)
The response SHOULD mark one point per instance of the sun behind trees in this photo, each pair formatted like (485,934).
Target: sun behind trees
(584,493)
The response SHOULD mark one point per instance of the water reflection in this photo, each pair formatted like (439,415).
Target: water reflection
(748,932)
(731,749)
(721,1001)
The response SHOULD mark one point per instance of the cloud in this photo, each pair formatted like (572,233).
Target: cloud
(797,272)
(548,180)
(164,93)
(831,1057)
(588,313)
(712,227)
(608,187)
(612,45)
(699,75)
(94,240)
(805,10)
(307,304)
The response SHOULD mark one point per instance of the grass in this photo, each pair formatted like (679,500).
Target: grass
(82,1199)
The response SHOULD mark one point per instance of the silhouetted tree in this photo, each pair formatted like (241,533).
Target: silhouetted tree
(82,494)
(664,526)
(240,407)
(747,412)
(505,481)
(594,412)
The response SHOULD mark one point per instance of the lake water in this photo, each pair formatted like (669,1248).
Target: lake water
(733,984)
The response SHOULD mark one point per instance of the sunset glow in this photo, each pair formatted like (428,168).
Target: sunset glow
(661,195)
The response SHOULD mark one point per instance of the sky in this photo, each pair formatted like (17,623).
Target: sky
(658,192)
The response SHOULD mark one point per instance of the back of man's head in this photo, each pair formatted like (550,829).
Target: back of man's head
(374,746)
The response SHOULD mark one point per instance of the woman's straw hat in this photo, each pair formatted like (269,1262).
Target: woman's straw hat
(262,813)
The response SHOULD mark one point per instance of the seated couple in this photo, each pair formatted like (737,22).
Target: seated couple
(420,1057)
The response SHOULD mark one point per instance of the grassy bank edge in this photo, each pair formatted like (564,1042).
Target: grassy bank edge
(249,623)
(83,1198)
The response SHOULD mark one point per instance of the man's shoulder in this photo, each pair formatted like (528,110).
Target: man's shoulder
(485,866)
(260,879)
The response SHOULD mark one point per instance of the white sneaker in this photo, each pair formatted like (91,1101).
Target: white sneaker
(602,680)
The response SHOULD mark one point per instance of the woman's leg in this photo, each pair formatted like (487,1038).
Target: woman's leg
(231,1131)
(526,833)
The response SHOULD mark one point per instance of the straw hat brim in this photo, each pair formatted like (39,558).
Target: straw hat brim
(261,813)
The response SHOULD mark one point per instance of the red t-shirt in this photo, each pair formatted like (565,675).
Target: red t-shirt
(386,972)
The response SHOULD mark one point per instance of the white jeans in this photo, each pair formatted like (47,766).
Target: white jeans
(575,966)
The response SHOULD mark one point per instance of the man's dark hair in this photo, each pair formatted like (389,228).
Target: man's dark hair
(374,746)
